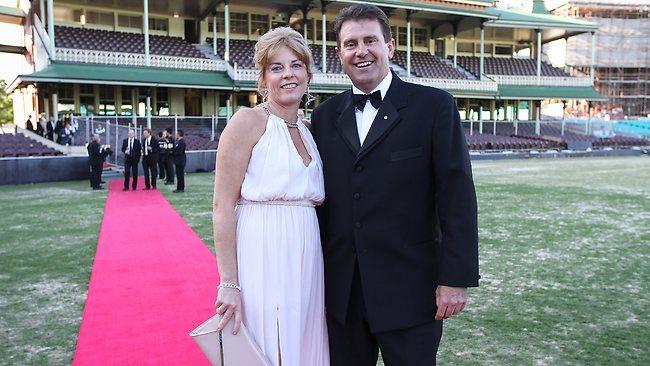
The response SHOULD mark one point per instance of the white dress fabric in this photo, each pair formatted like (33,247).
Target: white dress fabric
(279,257)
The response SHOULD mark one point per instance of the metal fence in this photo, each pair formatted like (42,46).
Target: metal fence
(114,129)
(530,128)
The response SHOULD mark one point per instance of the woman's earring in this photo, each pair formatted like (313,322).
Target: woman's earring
(310,97)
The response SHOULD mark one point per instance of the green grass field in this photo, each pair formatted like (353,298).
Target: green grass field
(564,249)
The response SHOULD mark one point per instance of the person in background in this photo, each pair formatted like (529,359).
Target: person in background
(132,150)
(162,154)
(169,161)
(179,161)
(96,156)
(149,159)
(66,134)
(29,125)
(51,126)
(41,125)
(59,129)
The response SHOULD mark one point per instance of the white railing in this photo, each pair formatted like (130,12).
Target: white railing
(138,59)
(542,81)
(342,79)
(456,84)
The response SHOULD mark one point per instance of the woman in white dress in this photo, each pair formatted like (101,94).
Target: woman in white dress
(268,180)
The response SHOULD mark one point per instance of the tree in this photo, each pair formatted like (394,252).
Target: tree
(6,105)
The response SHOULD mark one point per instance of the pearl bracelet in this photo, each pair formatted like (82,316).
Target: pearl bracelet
(229,285)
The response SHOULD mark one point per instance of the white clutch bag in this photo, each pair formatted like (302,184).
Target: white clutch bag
(225,349)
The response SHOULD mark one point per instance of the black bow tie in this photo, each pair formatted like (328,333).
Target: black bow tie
(374,98)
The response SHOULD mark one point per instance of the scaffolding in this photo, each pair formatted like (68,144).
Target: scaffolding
(622,65)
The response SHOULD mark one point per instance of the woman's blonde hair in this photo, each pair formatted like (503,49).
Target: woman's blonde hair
(270,41)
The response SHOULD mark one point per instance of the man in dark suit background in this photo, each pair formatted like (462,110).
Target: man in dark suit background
(162,154)
(399,222)
(132,150)
(149,159)
(169,161)
(96,157)
(179,161)
(51,126)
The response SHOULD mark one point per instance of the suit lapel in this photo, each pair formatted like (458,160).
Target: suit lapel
(346,124)
(387,116)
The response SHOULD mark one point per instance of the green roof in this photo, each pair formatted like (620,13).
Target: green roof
(126,75)
(425,6)
(548,92)
(515,18)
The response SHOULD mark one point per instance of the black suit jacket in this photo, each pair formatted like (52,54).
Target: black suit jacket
(402,205)
(179,152)
(95,155)
(155,149)
(134,156)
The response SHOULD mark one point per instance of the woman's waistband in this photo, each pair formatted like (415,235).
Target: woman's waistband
(303,203)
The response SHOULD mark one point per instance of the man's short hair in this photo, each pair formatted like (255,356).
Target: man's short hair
(169,130)
(148,130)
(160,134)
(180,133)
(362,12)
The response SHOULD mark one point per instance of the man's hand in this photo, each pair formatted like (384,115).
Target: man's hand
(450,301)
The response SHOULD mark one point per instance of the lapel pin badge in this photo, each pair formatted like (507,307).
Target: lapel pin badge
(385,117)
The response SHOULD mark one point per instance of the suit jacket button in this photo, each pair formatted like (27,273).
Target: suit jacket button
(359,168)
(357,225)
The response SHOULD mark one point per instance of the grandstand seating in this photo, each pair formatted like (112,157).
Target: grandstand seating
(426,65)
(333,63)
(19,145)
(508,66)
(104,40)
(550,137)
(241,51)
(423,64)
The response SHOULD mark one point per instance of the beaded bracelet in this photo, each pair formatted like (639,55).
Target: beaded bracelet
(229,285)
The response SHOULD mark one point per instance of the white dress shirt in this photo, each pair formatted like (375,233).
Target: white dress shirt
(365,117)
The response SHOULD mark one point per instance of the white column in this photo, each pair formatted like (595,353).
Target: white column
(41,6)
(226,16)
(50,28)
(324,44)
(539,56)
(305,33)
(408,42)
(55,106)
(214,34)
(145,26)
(482,55)
(148,111)
(455,50)
(592,62)
(588,123)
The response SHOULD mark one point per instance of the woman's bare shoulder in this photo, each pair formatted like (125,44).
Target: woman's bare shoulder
(247,124)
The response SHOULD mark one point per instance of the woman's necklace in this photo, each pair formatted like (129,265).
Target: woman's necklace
(289,124)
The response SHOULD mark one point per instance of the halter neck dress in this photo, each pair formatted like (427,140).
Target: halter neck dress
(279,257)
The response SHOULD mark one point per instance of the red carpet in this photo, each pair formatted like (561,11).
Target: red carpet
(153,280)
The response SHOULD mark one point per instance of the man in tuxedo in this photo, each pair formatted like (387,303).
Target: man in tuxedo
(179,161)
(162,154)
(132,150)
(169,161)
(51,126)
(29,125)
(96,157)
(399,222)
(149,159)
